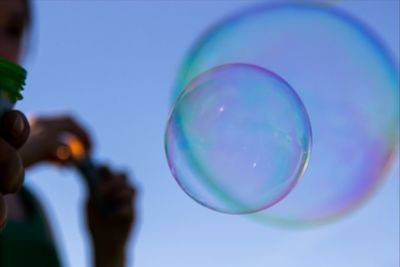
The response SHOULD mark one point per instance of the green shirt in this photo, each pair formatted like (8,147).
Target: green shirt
(28,243)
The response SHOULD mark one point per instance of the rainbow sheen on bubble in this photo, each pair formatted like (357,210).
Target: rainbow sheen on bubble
(238,139)
(348,82)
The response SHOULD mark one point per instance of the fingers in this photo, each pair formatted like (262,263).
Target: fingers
(57,152)
(111,182)
(14,128)
(61,153)
(117,194)
(65,125)
(11,169)
(50,139)
(69,125)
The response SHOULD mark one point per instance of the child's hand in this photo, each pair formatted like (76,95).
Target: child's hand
(110,231)
(46,144)
(14,130)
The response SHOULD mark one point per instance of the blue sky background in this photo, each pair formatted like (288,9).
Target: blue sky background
(113,65)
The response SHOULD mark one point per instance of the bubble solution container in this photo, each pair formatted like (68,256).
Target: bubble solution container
(12,81)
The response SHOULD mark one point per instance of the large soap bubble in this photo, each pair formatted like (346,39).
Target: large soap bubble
(238,139)
(348,83)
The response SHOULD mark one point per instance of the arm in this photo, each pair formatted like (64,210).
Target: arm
(109,234)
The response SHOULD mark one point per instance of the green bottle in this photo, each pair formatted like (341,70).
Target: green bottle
(12,81)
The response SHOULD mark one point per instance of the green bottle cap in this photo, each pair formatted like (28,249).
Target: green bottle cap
(12,79)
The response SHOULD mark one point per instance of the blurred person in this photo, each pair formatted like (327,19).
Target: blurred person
(27,239)
(14,130)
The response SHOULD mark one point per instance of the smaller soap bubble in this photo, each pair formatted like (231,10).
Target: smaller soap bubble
(238,139)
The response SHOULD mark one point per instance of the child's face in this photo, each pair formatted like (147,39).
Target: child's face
(12,26)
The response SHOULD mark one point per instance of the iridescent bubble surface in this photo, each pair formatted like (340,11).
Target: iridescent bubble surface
(348,83)
(238,139)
